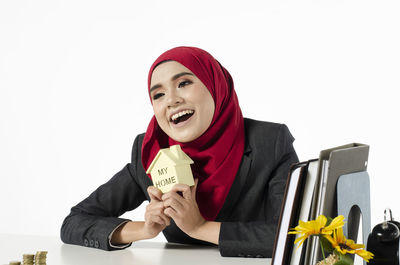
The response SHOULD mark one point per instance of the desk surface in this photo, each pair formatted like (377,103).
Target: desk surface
(12,247)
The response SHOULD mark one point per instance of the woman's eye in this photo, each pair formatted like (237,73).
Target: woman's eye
(157,96)
(184,83)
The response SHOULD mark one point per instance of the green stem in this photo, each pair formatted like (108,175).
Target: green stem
(322,248)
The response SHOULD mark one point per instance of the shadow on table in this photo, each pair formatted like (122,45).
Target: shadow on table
(191,247)
(195,254)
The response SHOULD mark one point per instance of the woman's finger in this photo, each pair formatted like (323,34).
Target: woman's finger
(154,193)
(156,208)
(156,219)
(184,189)
(171,213)
(194,189)
(174,203)
(156,215)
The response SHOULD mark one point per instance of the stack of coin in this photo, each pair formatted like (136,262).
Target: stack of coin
(40,258)
(15,263)
(27,259)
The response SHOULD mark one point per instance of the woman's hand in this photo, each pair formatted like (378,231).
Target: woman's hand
(155,219)
(183,208)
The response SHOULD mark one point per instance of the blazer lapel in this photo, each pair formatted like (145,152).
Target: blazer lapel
(237,185)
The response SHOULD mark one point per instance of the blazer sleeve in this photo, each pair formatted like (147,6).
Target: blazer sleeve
(92,221)
(256,239)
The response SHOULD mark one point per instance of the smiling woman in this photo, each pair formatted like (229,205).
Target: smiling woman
(240,168)
(182,104)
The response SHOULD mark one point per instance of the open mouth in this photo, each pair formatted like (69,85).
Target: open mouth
(181,116)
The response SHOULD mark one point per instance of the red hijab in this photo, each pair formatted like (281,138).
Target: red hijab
(217,153)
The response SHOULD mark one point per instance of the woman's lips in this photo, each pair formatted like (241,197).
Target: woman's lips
(181,123)
(177,114)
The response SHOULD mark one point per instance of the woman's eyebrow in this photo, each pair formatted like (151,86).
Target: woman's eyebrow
(154,87)
(179,75)
(173,79)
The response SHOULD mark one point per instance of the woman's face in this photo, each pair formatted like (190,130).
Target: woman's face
(182,104)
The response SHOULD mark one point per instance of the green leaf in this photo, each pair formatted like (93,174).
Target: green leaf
(347,258)
(329,220)
(344,258)
(326,244)
(342,262)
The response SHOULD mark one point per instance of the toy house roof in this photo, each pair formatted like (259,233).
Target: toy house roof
(174,154)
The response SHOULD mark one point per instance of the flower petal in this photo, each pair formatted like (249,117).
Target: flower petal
(332,241)
(366,255)
(336,223)
(340,238)
(300,240)
(321,221)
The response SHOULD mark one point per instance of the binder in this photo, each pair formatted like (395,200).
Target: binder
(289,213)
(333,163)
(298,252)
(313,180)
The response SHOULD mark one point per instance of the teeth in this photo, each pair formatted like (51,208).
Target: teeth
(180,114)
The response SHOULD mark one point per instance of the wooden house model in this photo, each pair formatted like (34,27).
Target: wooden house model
(169,167)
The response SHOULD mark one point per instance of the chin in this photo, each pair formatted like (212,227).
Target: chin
(184,138)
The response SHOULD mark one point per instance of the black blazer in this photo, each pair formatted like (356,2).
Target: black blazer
(249,217)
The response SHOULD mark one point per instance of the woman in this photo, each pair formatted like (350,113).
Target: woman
(240,167)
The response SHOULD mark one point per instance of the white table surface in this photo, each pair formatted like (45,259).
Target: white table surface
(12,247)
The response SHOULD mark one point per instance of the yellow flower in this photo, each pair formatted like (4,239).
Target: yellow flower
(316,227)
(344,246)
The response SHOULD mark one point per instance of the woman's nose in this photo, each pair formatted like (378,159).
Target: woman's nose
(174,99)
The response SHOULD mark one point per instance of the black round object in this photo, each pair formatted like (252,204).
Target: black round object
(383,242)
(386,232)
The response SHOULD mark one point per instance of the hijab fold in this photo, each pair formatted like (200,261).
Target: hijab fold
(218,152)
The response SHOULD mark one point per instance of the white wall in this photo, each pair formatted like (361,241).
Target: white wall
(73,92)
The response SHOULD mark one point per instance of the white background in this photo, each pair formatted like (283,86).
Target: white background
(73,87)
